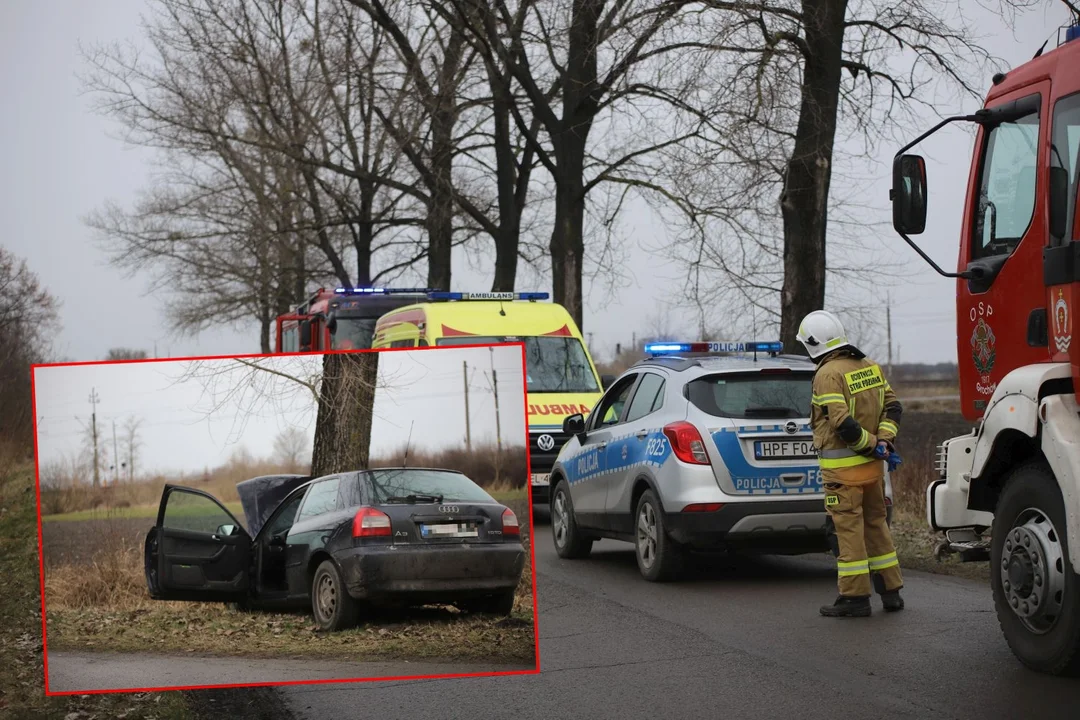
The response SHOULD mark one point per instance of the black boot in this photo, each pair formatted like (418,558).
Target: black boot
(892,601)
(847,607)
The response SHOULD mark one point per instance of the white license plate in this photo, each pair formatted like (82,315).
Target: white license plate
(539,478)
(448,530)
(784,450)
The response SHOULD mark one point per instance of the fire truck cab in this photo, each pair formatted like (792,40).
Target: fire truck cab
(340,319)
(1017,475)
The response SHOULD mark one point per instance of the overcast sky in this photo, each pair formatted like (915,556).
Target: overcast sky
(61,162)
(189,420)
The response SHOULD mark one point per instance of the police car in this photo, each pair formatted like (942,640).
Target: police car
(701,446)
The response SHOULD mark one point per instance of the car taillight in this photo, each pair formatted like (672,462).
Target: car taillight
(369,522)
(703,507)
(686,443)
(510,523)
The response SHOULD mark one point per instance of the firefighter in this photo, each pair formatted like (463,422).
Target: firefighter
(855,417)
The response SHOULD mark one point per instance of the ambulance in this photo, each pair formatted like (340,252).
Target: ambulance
(561,377)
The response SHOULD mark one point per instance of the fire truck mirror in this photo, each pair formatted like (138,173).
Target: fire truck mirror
(909,194)
(305,334)
(1059,201)
(331,323)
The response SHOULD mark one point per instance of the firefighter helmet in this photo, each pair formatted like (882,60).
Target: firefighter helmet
(821,332)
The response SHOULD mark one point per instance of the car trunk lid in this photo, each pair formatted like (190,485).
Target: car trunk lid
(432,523)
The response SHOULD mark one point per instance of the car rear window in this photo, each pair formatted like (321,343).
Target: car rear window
(753,395)
(385,485)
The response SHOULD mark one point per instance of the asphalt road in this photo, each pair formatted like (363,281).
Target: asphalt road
(113,671)
(740,639)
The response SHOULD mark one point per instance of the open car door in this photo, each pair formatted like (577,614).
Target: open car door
(197,550)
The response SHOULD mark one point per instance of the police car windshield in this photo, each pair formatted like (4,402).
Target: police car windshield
(389,486)
(353,334)
(554,364)
(753,395)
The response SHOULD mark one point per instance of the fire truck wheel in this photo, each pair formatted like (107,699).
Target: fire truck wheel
(1036,592)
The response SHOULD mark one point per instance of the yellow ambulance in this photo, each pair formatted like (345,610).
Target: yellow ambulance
(561,377)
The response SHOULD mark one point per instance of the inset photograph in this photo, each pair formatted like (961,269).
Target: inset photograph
(281,519)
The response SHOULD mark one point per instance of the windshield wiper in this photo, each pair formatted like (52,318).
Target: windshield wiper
(775,411)
(413,499)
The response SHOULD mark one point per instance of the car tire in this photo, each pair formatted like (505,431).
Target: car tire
(1029,546)
(501,603)
(659,558)
(570,542)
(334,609)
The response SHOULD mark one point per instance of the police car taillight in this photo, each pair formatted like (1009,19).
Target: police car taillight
(370,522)
(510,523)
(686,443)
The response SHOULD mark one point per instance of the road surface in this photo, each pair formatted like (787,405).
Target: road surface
(739,640)
(112,671)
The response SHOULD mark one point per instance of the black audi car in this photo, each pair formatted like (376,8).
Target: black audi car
(389,535)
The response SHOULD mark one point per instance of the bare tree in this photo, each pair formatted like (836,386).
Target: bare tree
(290,448)
(131,445)
(122,353)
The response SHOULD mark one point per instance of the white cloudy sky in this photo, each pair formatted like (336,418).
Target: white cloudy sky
(61,162)
(189,423)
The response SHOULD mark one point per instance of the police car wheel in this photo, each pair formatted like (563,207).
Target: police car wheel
(659,557)
(570,542)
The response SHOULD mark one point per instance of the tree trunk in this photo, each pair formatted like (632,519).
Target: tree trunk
(578,111)
(506,241)
(805,198)
(364,237)
(343,425)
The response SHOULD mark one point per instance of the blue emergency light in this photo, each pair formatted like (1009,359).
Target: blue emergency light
(381,291)
(714,347)
(1073,33)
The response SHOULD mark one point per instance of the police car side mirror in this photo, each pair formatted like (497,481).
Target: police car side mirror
(574,425)
(607,381)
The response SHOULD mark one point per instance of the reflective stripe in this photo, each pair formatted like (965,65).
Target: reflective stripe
(883,561)
(828,398)
(832,454)
(864,441)
(834,342)
(888,426)
(854,461)
(856,567)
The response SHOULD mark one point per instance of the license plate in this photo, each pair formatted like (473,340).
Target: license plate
(539,478)
(784,450)
(455,530)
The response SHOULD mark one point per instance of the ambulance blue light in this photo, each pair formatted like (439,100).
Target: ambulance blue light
(714,347)
(1072,33)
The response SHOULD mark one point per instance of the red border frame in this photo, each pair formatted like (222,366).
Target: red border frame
(324,681)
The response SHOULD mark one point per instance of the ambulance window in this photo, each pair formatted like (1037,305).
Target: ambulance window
(403,343)
(1006,199)
(1065,155)
(648,397)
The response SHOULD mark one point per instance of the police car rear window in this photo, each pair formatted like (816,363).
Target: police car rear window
(753,395)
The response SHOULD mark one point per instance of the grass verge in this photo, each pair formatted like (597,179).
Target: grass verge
(915,543)
(125,513)
(22,693)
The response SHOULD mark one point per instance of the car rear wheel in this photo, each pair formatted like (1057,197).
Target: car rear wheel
(501,603)
(1036,591)
(570,543)
(333,607)
(659,557)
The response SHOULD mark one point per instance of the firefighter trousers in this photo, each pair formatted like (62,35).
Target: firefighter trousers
(865,542)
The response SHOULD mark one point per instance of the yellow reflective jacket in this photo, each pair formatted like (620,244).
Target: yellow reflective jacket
(853,408)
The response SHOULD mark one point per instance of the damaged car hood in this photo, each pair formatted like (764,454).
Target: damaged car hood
(260,497)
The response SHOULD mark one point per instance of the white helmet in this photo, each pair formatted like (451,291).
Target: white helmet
(821,332)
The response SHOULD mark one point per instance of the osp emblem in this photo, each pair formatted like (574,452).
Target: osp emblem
(791,428)
(984,355)
(545,442)
(1061,323)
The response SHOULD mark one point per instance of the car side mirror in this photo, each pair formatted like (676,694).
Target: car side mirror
(607,381)
(225,530)
(305,334)
(909,194)
(574,425)
(277,541)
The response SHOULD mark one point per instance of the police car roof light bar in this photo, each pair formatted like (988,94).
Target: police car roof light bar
(715,348)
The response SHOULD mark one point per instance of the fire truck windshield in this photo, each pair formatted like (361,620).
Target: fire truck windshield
(554,364)
(353,333)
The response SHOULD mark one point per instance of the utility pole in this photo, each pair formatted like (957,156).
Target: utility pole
(498,424)
(888,328)
(116,456)
(468,433)
(93,435)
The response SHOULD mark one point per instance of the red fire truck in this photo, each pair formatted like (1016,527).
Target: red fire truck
(1017,475)
(340,319)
